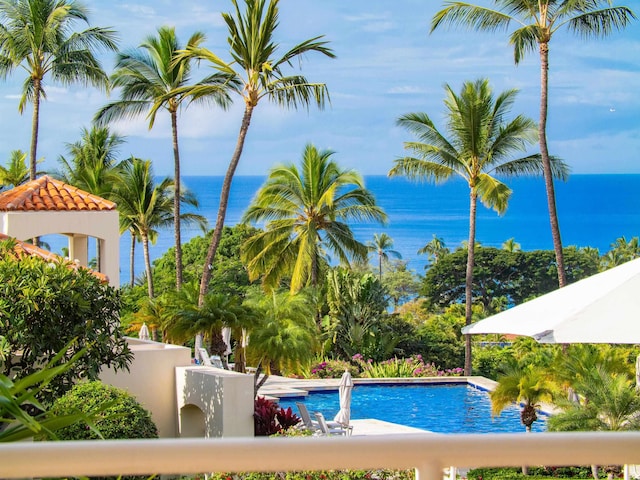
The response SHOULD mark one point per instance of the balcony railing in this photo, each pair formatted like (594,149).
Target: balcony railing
(429,454)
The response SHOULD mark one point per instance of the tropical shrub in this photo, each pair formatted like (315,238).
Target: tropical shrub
(23,417)
(123,418)
(319,475)
(269,419)
(512,473)
(46,304)
(403,368)
(488,361)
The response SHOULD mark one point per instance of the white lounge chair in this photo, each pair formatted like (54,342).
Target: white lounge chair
(311,424)
(328,431)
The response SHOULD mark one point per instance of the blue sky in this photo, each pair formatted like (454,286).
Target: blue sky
(387,64)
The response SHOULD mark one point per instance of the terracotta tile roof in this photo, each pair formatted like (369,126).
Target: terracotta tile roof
(48,194)
(24,248)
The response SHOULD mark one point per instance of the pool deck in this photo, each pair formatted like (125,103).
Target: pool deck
(282,387)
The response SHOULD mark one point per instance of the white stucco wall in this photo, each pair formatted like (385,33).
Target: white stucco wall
(152,380)
(225,398)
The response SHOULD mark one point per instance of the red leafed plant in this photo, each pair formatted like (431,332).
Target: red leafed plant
(286,418)
(269,419)
(264,417)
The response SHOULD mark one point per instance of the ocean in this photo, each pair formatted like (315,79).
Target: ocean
(593,210)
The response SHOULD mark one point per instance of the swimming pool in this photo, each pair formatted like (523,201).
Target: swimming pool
(457,408)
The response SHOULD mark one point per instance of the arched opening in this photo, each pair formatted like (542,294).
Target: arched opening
(192,422)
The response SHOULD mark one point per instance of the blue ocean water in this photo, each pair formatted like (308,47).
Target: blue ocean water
(593,210)
(436,408)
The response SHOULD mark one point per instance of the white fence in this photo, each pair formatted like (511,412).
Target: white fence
(429,454)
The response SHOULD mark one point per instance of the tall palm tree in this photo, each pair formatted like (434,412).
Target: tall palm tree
(152,78)
(538,20)
(306,210)
(92,165)
(16,171)
(481,144)
(382,246)
(38,36)
(147,206)
(261,74)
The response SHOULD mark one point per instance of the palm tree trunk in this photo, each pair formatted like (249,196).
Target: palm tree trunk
(224,200)
(468,284)
(34,128)
(546,164)
(132,275)
(147,264)
(380,266)
(176,198)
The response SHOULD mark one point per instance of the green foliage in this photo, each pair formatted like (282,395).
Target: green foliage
(401,283)
(43,306)
(319,475)
(513,473)
(357,307)
(124,418)
(22,416)
(488,361)
(516,276)
(442,341)
(229,276)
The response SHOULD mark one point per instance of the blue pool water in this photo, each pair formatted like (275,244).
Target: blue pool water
(454,408)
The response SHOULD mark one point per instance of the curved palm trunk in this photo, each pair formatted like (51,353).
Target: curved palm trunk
(147,264)
(34,129)
(468,284)
(132,275)
(546,164)
(176,199)
(224,200)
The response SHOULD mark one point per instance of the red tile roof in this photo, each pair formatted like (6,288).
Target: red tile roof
(24,248)
(48,194)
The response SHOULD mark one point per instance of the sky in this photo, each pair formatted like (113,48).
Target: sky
(387,64)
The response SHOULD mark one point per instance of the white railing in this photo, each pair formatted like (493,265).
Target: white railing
(429,454)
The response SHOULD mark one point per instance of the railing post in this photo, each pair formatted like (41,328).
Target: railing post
(429,471)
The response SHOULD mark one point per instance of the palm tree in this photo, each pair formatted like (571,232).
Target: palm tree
(93,165)
(38,36)
(538,20)
(306,210)
(381,245)
(147,206)
(16,172)
(151,78)
(285,337)
(510,245)
(260,74)
(480,146)
(436,249)
(525,385)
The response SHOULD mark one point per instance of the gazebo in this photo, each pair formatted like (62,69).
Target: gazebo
(47,206)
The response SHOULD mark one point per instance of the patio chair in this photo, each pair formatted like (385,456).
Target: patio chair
(311,424)
(326,430)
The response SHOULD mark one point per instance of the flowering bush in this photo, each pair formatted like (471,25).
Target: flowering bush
(333,369)
(413,366)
